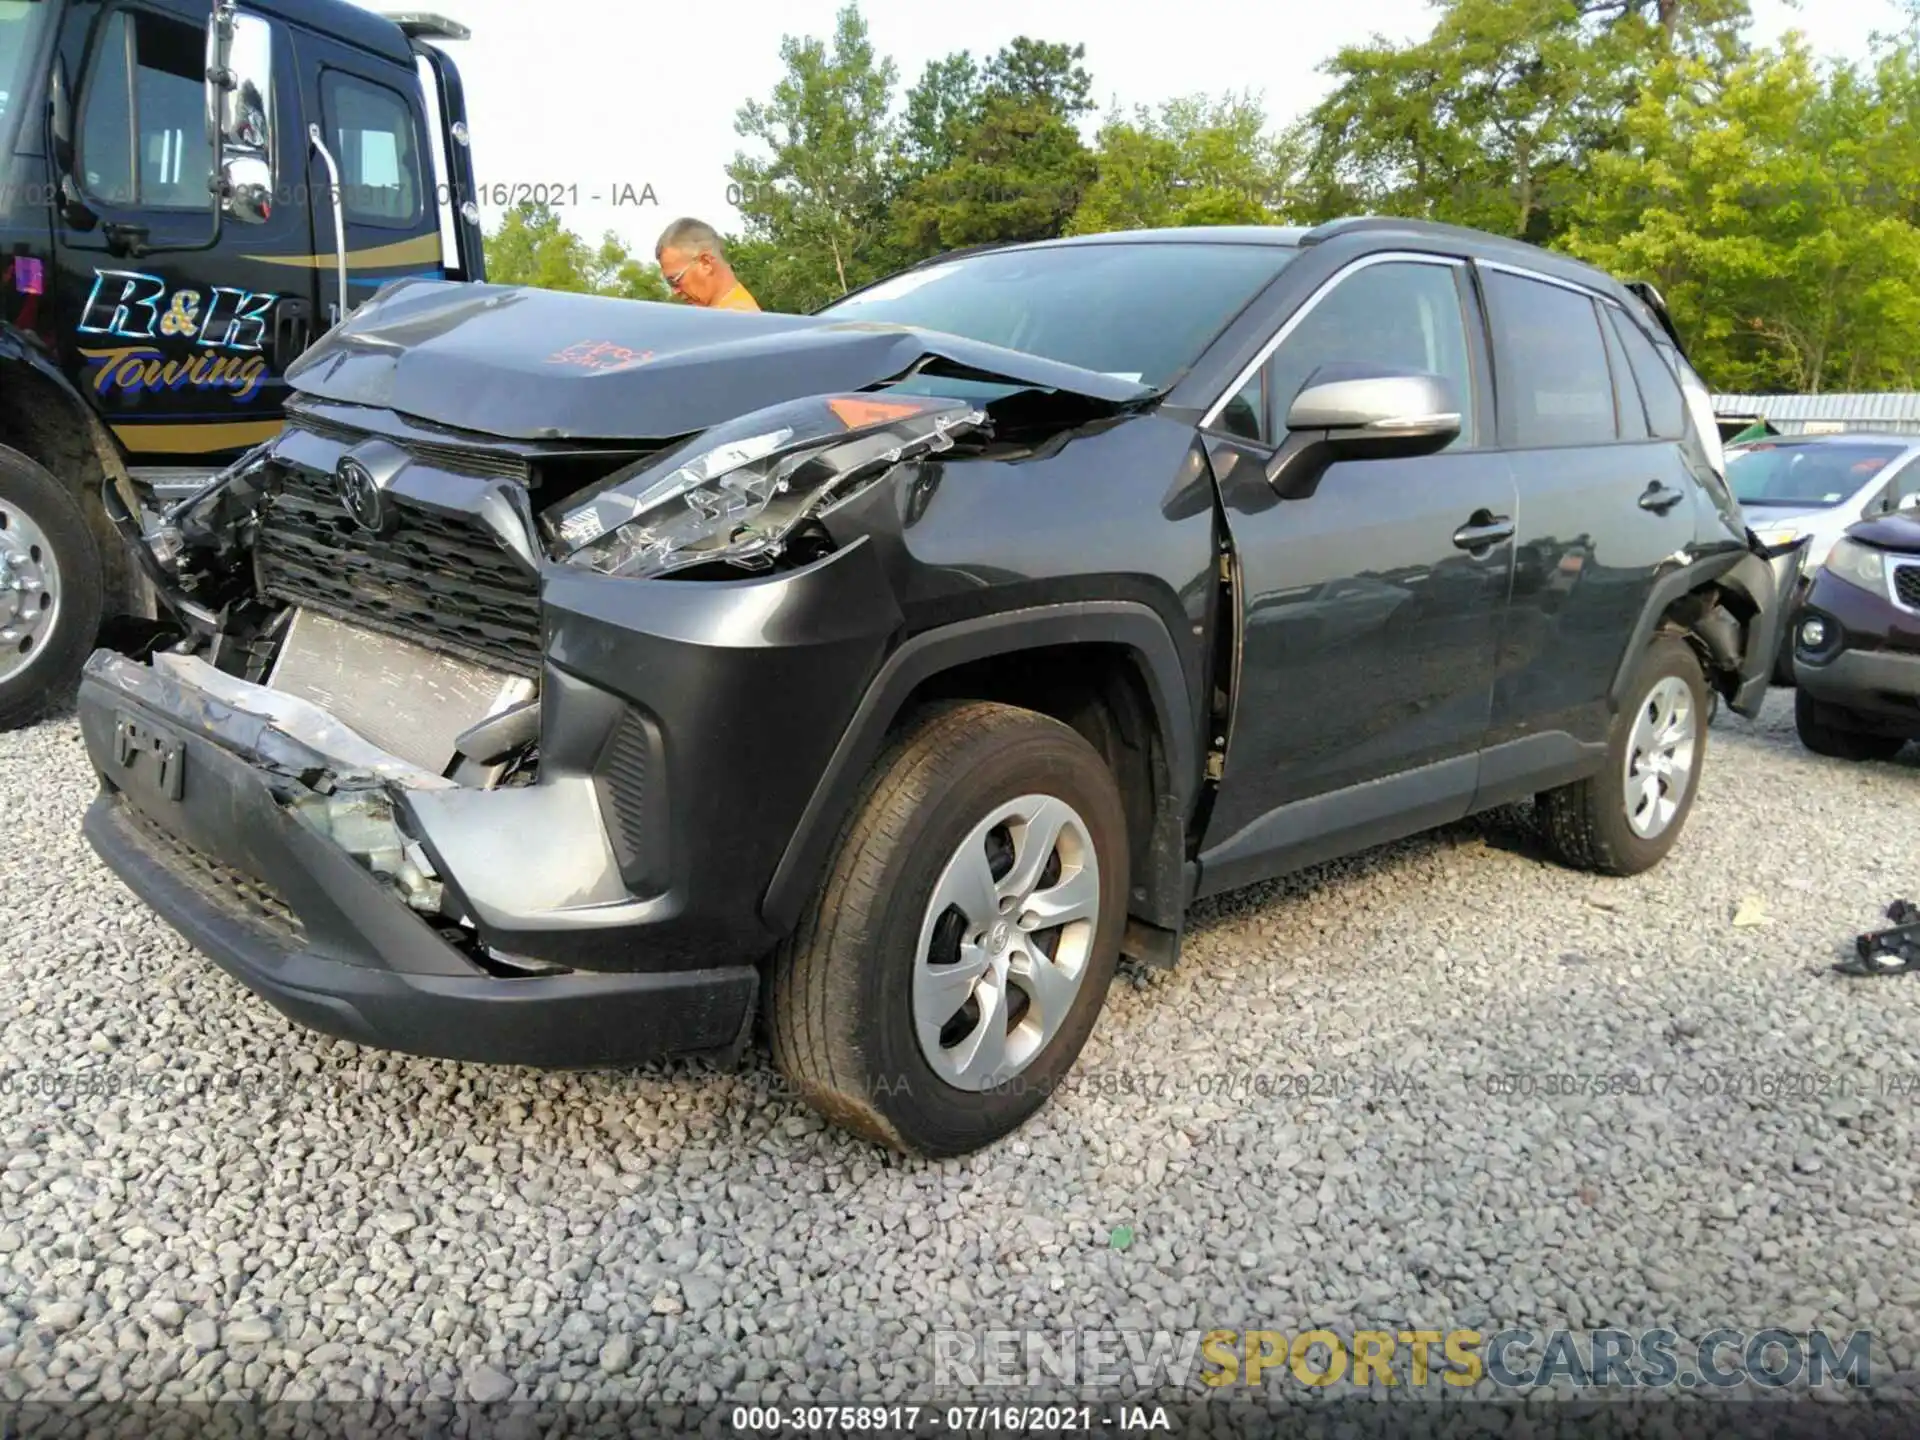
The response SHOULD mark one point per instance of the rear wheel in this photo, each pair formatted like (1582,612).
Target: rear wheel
(1626,818)
(1824,729)
(50,589)
(951,967)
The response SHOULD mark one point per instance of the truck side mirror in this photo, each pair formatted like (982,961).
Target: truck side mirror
(1909,502)
(240,101)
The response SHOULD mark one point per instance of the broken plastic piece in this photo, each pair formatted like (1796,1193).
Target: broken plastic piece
(1888,952)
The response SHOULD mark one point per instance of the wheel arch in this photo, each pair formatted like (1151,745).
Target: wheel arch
(44,418)
(1728,606)
(1122,682)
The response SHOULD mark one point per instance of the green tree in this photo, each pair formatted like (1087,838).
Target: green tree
(532,247)
(820,192)
(1774,207)
(1012,165)
(1194,162)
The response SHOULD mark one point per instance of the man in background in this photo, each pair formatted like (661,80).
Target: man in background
(693,262)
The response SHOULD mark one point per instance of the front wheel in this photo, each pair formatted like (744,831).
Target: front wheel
(1626,818)
(950,969)
(51,589)
(1824,730)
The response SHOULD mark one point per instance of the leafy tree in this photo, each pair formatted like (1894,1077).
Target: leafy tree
(1002,159)
(940,110)
(1195,162)
(1774,208)
(821,190)
(532,247)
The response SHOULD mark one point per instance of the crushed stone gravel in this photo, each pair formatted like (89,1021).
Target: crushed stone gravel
(1340,1111)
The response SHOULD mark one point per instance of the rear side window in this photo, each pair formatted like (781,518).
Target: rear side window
(372,133)
(1626,392)
(1666,406)
(1551,362)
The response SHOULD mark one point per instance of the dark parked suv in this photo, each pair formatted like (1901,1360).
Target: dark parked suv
(575,679)
(1856,640)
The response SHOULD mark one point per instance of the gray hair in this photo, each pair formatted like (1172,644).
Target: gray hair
(688,234)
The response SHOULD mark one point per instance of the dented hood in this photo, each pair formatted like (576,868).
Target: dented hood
(529,364)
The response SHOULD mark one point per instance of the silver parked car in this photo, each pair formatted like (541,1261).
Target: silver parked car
(1816,486)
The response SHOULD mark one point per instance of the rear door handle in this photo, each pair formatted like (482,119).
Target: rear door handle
(1484,529)
(1659,499)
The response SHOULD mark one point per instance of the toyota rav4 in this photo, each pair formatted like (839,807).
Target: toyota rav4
(575,680)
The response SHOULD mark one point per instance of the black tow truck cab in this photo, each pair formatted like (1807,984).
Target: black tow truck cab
(191,193)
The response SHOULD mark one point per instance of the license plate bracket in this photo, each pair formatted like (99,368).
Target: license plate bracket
(134,739)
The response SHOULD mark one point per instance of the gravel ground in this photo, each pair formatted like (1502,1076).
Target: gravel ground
(247,1208)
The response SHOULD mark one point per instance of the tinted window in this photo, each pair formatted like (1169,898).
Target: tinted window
(1242,414)
(1666,407)
(1804,473)
(1403,315)
(1626,392)
(1552,363)
(19,38)
(143,140)
(372,137)
(1144,312)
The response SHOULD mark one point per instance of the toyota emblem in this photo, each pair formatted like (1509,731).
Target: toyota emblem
(365,501)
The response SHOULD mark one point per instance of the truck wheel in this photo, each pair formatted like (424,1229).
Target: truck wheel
(951,967)
(50,589)
(1626,818)
(1824,730)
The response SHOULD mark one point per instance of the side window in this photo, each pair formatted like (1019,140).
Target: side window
(1666,406)
(1242,414)
(143,138)
(1626,391)
(1403,314)
(1552,363)
(371,132)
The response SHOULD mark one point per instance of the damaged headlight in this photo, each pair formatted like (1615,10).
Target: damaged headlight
(736,492)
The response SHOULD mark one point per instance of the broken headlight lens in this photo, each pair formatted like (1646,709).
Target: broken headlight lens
(736,492)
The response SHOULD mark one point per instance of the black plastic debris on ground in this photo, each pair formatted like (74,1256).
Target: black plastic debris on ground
(1888,952)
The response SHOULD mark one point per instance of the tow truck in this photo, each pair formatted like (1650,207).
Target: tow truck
(191,193)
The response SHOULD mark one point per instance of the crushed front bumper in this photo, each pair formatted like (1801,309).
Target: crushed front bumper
(194,816)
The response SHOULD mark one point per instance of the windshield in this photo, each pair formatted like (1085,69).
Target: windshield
(1142,312)
(1811,475)
(20,22)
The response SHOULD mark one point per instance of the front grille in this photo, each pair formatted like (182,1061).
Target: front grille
(456,459)
(1906,584)
(446,582)
(237,893)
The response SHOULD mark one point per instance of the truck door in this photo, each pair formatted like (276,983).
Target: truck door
(374,125)
(178,344)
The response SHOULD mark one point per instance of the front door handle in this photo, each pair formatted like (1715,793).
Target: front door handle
(1484,529)
(1659,499)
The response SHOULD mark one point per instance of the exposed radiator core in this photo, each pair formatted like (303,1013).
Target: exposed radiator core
(408,700)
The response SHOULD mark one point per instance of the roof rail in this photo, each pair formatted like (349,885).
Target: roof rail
(422,25)
(1361,224)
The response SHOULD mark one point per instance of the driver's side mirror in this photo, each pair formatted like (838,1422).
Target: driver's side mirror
(240,112)
(1355,412)
(1909,502)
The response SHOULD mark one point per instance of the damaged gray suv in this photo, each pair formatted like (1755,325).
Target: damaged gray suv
(576,680)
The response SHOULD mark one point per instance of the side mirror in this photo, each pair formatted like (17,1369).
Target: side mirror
(1352,412)
(1910,502)
(241,102)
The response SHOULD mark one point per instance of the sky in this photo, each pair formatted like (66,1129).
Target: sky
(608,102)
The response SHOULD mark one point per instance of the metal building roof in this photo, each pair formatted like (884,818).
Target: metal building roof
(1897,411)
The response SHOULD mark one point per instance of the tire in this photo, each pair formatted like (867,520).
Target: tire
(1824,731)
(843,1016)
(51,590)
(1590,824)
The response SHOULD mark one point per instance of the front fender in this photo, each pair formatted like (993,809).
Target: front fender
(1767,578)
(17,347)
